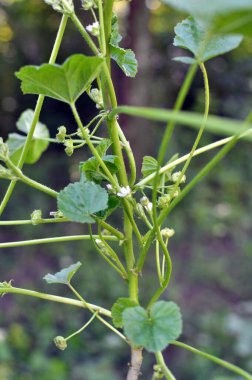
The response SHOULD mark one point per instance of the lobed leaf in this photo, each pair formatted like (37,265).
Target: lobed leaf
(193,36)
(79,201)
(118,308)
(155,328)
(64,276)
(64,82)
(125,58)
(225,16)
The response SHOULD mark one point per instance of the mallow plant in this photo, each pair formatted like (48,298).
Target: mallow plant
(107,179)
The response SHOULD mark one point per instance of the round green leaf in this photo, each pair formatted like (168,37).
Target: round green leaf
(78,201)
(155,328)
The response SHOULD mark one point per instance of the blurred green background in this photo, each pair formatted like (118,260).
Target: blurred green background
(212,247)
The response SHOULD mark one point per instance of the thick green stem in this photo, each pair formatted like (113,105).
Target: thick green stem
(37,111)
(223,363)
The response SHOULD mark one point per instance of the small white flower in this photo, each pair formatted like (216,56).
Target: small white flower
(124,192)
(149,206)
(109,187)
(94,28)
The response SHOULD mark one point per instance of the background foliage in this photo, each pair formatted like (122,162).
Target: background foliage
(212,248)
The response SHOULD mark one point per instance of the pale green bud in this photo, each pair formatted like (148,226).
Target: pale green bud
(61,135)
(66,7)
(60,342)
(4,150)
(96,96)
(6,173)
(167,232)
(175,177)
(69,148)
(164,201)
(36,217)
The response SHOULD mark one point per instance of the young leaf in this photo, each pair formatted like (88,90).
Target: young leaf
(64,82)
(92,169)
(225,16)
(103,147)
(16,141)
(78,201)
(155,328)
(64,276)
(118,308)
(192,35)
(125,58)
(149,166)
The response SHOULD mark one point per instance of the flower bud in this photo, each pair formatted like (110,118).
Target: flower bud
(66,7)
(87,4)
(94,29)
(164,201)
(6,173)
(96,96)
(4,150)
(36,217)
(167,232)
(61,135)
(175,177)
(60,342)
(69,148)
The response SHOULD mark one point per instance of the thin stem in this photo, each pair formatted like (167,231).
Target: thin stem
(91,146)
(83,327)
(60,239)
(166,372)
(223,363)
(31,182)
(37,111)
(160,277)
(197,152)
(102,320)
(102,31)
(53,298)
(29,221)
(84,33)
(109,228)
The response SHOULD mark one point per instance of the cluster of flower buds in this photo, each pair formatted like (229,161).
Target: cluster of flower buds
(164,201)
(88,4)
(36,217)
(96,96)
(61,135)
(62,6)
(158,372)
(167,233)
(4,150)
(146,204)
(60,343)
(94,29)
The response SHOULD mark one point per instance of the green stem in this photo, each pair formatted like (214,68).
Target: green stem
(197,152)
(223,363)
(102,32)
(53,298)
(84,33)
(31,182)
(109,228)
(92,147)
(201,130)
(60,239)
(102,320)
(166,372)
(29,221)
(37,111)
(83,327)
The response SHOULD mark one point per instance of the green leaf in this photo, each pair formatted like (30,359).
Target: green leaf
(64,82)
(155,328)
(103,147)
(193,36)
(78,201)
(16,141)
(64,276)
(125,58)
(94,172)
(118,308)
(187,60)
(225,16)
(149,166)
